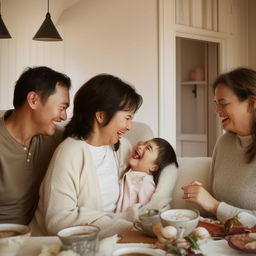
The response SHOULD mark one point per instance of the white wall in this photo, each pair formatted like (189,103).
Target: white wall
(114,36)
(118,37)
(252,34)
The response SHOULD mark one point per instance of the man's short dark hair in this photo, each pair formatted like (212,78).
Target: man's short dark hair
(41,80)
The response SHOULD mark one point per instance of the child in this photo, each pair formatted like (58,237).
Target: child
(146,163)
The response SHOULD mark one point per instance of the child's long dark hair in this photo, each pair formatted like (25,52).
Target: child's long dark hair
(166,156)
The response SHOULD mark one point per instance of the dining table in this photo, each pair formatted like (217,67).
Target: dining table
(130,238)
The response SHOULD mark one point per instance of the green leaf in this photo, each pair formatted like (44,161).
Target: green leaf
(192,239)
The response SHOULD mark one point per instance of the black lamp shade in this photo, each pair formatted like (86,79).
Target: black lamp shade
(4,34)
(47,31)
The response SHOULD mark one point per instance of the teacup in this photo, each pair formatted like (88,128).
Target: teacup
(12,238)
(184,220)
(81,239)
(146,221)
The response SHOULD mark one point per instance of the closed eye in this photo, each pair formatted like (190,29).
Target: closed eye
(149,148)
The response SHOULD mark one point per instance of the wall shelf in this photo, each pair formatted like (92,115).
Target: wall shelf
(192,137)
(193,82)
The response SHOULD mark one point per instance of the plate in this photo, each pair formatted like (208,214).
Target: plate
(239,241)
(132,251)
(216,229)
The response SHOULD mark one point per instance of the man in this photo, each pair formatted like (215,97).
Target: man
(28,138)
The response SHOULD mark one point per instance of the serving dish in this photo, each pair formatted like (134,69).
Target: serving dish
(239,241)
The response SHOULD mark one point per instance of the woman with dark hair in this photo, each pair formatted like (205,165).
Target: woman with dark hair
(234,162)
(82,182)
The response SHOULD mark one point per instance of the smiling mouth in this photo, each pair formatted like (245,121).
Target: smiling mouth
(120,134)
(136,155)
(223,119)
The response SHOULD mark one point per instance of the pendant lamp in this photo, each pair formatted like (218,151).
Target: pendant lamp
(47,31)
(4,34)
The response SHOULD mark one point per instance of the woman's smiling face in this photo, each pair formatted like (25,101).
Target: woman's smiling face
(143,157)
(236,116)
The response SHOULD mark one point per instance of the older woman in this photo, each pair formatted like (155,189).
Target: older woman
(82,182)
(234,162)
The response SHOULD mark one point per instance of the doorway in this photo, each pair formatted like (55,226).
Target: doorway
(197,124)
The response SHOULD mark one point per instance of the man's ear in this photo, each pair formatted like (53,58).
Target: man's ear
(33,99)
(154,168)
(100,117)
(253,98)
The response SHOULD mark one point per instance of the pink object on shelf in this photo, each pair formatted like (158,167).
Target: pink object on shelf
(197,74)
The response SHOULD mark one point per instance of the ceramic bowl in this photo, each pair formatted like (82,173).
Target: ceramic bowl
(81,239)
(12,238)
(136,251)
(184,220)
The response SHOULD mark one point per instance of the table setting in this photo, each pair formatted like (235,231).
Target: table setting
(194,235)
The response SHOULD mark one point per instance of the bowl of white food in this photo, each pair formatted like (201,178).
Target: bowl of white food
(184,220)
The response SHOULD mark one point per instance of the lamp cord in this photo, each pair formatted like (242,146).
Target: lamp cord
(48,5)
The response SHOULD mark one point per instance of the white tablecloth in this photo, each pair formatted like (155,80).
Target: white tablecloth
(33,245)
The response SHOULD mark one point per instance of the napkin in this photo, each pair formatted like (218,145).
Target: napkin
(247,219)
(106,245)
(220,248)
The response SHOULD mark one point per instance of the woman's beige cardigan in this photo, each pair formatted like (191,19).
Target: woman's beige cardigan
(70,194)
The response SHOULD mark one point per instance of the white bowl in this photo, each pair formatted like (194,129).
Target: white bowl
(81,239)
(184,220)
(12,238)
(138,251)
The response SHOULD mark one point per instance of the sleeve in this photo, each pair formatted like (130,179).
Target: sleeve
(226,211)
(146,190)
(61,204)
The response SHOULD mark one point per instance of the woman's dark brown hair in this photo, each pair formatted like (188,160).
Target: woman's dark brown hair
(105,93)
(242,81)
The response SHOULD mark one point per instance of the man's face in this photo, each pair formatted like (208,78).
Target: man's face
(52,111)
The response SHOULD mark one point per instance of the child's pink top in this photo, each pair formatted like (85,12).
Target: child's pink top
(136,187)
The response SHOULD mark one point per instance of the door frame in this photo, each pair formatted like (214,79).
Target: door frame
(168,31)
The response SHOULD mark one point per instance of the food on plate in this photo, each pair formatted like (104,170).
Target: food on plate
(252,235)
(169,232)
(187,246)
(230,227)
(242,242)
(209,220)
(251,245)
(201,233)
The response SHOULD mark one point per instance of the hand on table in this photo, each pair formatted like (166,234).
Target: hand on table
(195,193)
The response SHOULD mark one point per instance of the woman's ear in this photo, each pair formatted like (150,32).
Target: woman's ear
(32,99)
(252,102)
(100,117)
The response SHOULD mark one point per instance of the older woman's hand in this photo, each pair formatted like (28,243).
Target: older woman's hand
(195,193)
